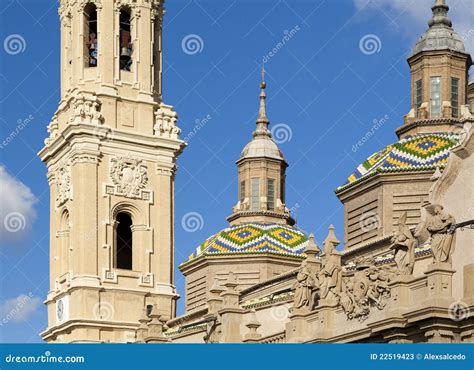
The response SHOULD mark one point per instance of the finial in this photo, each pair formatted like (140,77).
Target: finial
(331,238)
(440,14)
(263,84)
(262,119)
(312,248)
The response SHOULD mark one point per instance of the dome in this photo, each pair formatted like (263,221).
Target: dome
(440,35)
(262,147)
(254,238)
(413,153)
(442,38)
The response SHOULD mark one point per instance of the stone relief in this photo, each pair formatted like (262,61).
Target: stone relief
(165,122)
(63,183)
(440,226)
(367,288)
(356,292)
(86,110)
(403,246)
(129,176)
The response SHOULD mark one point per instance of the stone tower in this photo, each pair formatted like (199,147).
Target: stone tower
(111,155)
(262,241)
(261,176)
(439,67)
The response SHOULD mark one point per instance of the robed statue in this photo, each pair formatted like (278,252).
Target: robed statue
(440,226)
(305,283)
(403,246)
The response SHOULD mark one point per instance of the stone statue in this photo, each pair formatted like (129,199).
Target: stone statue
(439,225)
(330,274)
(403,245)
(305,283)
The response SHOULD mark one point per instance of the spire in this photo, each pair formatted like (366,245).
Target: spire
(262,119)
(440,14)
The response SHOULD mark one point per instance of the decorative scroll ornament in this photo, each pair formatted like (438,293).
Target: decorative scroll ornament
(119,4)
(129,176)
(86,110)
(63,183)
(165,122)
(367,288)
(52,130)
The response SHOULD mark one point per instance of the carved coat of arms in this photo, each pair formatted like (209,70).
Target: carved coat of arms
(63,182)
(129,175)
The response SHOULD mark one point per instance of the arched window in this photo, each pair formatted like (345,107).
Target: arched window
(125,40)
(90,35)
(123,241)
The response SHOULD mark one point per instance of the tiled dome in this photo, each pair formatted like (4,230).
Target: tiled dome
(254,238)
(413,153)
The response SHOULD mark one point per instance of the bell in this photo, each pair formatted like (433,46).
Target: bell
(125,52)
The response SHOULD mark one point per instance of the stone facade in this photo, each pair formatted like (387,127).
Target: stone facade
(404,274)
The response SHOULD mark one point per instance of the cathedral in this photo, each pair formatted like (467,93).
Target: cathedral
(406,270)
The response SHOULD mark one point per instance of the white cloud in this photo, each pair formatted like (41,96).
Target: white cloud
(18,309)
(16,207)
(411,16)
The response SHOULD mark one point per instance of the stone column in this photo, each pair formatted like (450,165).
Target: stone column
(231,313)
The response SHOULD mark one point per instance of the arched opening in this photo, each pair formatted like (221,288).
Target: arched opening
(90,35)
(125,39)
(123,241)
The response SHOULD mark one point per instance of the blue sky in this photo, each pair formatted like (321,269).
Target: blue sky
(325,89)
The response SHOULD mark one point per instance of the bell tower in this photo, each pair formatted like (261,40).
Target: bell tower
(439,68)
(261,176)
(111,158)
